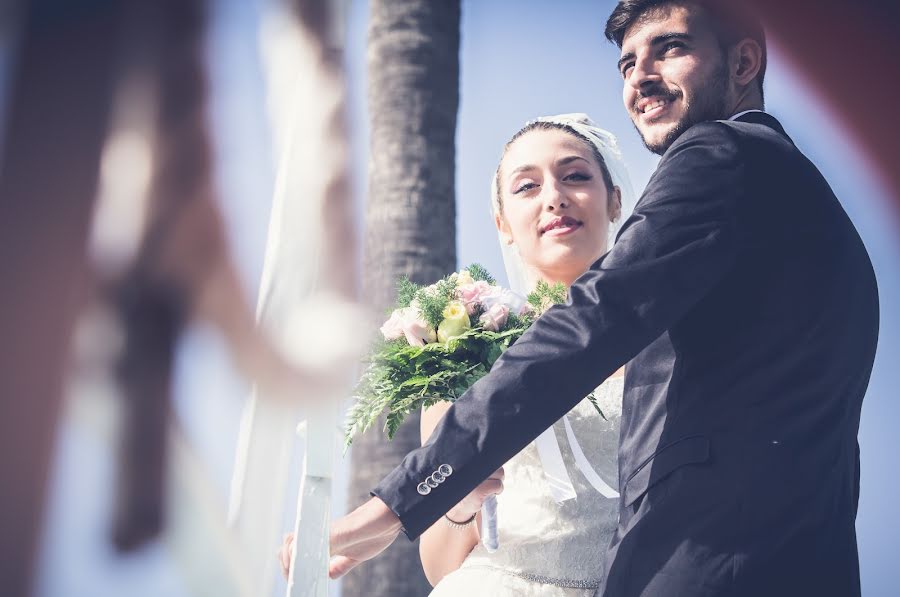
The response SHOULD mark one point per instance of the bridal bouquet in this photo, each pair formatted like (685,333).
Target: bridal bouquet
(439,340)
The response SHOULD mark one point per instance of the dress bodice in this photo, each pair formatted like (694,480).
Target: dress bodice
(563,543)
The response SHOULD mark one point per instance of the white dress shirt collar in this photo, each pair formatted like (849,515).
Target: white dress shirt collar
(738,115)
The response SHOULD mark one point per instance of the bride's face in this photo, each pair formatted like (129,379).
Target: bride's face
(555,204)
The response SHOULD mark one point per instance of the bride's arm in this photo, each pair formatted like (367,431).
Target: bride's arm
(442,548)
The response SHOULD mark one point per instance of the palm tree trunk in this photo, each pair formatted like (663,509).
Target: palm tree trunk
(413,69)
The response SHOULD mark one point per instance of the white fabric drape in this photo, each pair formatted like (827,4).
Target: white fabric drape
(314,325)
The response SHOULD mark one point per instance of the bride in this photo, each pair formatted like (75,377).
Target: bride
(558,193)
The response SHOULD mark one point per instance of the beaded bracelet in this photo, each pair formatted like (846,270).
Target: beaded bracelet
(459,525)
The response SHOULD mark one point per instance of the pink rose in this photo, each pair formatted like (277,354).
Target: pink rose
(408,322)
(393,327)
(494,318)
(417,331)
(472,295)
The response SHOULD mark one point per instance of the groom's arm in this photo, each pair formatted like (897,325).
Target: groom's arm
(680,242)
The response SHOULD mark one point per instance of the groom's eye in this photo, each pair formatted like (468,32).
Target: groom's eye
(672,45)
(626,69)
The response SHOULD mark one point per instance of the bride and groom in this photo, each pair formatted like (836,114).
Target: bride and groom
(745,306)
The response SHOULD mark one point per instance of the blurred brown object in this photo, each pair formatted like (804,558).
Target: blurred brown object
(848,49)
(182,242)
(182,268)
(56,121)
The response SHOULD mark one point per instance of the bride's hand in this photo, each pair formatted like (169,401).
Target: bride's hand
(284,554)
(471,504)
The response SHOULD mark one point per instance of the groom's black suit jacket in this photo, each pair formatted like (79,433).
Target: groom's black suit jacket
(747,306)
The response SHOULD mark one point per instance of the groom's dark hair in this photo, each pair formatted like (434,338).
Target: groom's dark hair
(732,23)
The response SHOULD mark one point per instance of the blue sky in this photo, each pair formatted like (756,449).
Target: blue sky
(519,60)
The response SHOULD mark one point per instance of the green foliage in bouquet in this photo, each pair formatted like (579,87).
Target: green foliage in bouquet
(546,295)
(406,291)
(434,299)
(479,273)
(400,378)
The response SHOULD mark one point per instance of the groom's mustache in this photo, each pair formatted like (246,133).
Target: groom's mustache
(656,91)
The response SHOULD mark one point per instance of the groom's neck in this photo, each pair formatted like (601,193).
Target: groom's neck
(751,99)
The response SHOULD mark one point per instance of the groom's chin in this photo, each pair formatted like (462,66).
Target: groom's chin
(657,144)
(655,136)
(660,137)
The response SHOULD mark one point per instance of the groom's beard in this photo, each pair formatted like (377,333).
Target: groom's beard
(707,105)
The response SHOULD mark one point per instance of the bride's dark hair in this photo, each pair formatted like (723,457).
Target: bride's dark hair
(541,125)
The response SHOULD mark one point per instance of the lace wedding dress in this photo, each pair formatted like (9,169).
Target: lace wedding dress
(548,548)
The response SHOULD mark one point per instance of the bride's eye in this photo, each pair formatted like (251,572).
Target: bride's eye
(578,177)
(524,187)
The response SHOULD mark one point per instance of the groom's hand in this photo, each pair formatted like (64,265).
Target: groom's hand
(361,535)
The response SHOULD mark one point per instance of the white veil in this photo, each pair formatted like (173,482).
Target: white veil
(547,444)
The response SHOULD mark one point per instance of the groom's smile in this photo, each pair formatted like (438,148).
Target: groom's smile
(655,106)
(652,108)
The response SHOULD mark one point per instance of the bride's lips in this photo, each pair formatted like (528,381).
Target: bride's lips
(560,226)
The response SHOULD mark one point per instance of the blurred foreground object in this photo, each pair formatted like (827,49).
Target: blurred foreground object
(308,280)
(109,101)
(58,101)
(848,50)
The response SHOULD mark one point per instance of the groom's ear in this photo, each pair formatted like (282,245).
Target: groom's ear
(615,205)
(747,59)
(503,229)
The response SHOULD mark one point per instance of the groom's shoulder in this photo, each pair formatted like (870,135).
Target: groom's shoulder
(709,129)
(706,142)
(709,134)
(763,131)
(730,140)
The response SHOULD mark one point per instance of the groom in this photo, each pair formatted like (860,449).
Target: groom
(747,306)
